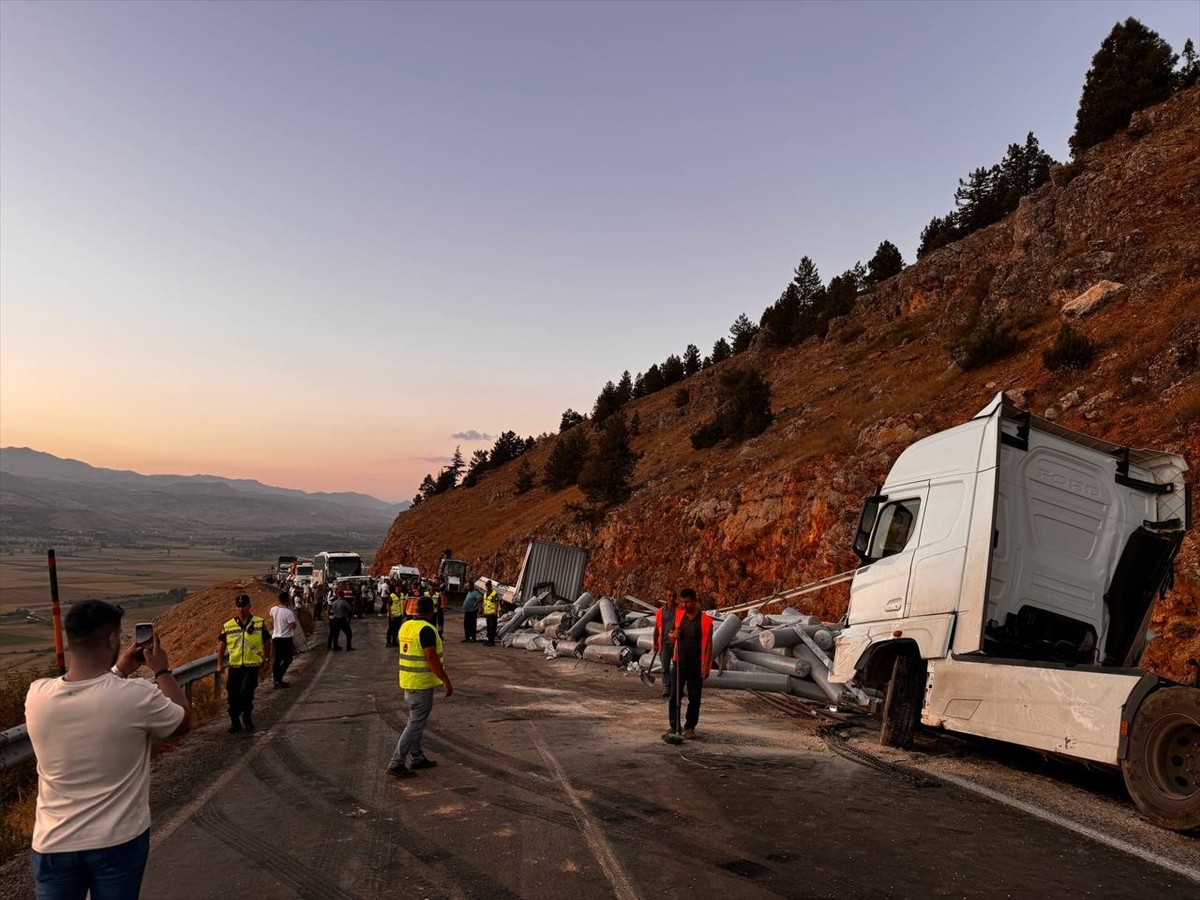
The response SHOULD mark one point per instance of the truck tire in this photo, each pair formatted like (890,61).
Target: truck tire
(1162,765)
(905,697)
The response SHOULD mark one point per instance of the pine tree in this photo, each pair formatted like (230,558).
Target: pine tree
(672,370)
(507,447)
(456,465)
(743,409)
(639,386)
(1134,68)
(691,360)
(807,280)
(525,477)
(861,276)
(653,382)
(721,351)
(840,296)
(938,233)
(742,332)
(569,420)
(624,388)
(605,476)
(566,459)
(780,322)
(886,262)
(1189,67)
(475,468)
(607,403)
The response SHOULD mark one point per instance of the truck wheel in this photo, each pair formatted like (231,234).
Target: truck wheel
(905,697)
(1162,767)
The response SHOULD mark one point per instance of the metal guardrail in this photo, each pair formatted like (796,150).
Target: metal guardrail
(15,747)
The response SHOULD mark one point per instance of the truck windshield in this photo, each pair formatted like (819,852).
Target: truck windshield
(893,528)
(455,569)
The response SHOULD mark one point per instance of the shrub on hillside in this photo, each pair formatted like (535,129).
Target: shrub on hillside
(1070,350)
(605,476)
(682,398)
(743,410)
(525,477)
(985,343)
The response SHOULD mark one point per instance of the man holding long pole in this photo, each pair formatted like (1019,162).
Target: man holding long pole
(693,661)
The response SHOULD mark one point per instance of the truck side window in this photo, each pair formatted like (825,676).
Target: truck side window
(894,527)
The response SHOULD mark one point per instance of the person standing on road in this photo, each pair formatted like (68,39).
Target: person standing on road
(385,590)
(339,621)
(395,612)
(247,641)
(283,634)
(664,647)
(421,671)
(471,615)
(491,611)
(91,731)
(693,661)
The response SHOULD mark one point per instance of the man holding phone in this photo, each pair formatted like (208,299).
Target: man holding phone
(91,730)
(248,643)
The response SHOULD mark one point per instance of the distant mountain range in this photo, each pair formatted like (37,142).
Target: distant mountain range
(41,493)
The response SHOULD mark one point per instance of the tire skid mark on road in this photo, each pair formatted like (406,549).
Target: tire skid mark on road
(307,881)
(633,827)
(164,831)
(593,835)
(443,868)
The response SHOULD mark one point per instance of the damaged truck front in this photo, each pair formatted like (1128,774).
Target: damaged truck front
(1009,570)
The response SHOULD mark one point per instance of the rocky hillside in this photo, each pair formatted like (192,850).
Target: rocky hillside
(1121,225)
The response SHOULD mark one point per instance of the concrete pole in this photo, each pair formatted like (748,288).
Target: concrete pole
(819,674)
(616,656)
(608,613)
(798,668)
(579,629)
(724,633)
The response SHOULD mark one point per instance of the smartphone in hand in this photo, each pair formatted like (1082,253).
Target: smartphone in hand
(143,634)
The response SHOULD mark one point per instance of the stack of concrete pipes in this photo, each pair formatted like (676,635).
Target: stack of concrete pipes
(785,653)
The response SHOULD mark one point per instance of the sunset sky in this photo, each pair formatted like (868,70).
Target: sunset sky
(321,245)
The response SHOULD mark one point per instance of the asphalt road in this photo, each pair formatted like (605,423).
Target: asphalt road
(553,781)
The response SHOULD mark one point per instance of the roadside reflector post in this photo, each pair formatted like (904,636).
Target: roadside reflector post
(60,658)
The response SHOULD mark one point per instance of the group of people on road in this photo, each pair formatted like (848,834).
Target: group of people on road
(91,832)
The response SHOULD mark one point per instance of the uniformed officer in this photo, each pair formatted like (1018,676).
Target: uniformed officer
(246,640)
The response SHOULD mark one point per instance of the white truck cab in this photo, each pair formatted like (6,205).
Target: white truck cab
(1009,569)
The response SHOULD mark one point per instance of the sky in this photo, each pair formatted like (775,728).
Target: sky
(323,244)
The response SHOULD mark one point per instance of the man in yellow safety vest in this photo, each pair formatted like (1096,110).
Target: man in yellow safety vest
(421,671)
(491,611)
(395,611)
(246,640)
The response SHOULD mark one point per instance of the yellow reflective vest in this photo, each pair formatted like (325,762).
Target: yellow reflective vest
(245,645)
(415,674)
(491,603)
(397,607)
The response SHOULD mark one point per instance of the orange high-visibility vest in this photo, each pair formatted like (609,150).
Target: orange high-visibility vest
(706,626)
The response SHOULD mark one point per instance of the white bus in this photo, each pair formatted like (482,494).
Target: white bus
(329,566)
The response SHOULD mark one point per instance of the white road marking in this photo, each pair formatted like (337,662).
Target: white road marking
(592,834)
(1108,840)
(161,833)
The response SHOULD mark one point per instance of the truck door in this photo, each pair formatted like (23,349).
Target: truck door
(880,588)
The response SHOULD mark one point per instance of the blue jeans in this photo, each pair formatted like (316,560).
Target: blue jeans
(420,705)
(110,873)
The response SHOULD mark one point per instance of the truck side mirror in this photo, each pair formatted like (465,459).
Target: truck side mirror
(866,524)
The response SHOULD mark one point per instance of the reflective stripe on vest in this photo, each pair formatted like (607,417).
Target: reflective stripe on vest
(491,603)
(245,645)
(415,674)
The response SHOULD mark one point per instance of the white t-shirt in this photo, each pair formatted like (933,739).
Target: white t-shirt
(92,741)
(283,622)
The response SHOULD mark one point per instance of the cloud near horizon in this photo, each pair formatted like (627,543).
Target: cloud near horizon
(471,435)
(432,459)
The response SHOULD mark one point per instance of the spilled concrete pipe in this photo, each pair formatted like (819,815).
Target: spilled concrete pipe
(616,656)
(528,642)
(766,681)
(582,602)
(724,632)
(590,615)
(786,665)
(608,613)
(564,648)
(819,674)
